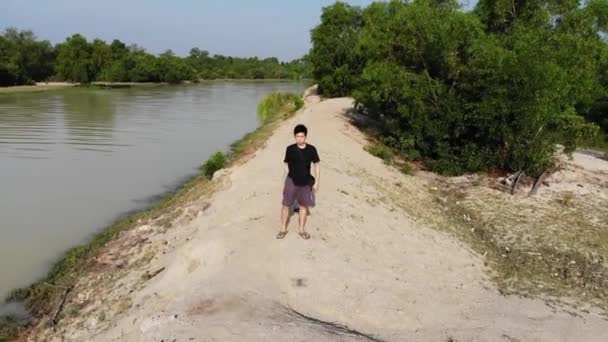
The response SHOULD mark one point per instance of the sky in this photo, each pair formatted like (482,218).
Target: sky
(263,28)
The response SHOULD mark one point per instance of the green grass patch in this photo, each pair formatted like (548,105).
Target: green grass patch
(600,144)
(381,151)
(216,162)
(278,103)
(390,157)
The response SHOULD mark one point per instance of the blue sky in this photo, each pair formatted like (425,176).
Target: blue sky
(260,28)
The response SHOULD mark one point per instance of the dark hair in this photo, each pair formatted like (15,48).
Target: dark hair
(300,129)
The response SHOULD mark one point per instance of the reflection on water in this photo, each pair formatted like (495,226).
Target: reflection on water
(89,119)
(72,160)
(24,124)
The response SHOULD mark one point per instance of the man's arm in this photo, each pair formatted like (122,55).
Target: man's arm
(286,163)
(316,162)
(317,176)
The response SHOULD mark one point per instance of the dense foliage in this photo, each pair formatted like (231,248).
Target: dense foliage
(497,87)
(24,60)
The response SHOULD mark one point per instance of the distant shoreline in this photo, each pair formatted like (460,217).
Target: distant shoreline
(38,86)
(44,86)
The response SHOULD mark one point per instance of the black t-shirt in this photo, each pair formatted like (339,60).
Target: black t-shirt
(299,160)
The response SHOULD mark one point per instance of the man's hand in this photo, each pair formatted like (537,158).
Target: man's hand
(315,187)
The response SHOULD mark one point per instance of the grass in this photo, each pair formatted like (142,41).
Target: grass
(554,248)
(41,296)
(216,162)
(279,102)
(381,151)
(600,145)
(390,157)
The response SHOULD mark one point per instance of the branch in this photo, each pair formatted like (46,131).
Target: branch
(55,318)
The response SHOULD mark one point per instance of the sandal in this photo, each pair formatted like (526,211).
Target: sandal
(304,235)
(281,235)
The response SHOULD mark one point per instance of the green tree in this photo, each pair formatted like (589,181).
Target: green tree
(118,50)
(145,68)
(8,69)
(335,65)
(101,58)
(497,88)
(74,62)
(173,69)
(23,59)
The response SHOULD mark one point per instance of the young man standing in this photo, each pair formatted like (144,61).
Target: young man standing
(299,183)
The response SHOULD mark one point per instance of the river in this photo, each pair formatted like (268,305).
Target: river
(74,160)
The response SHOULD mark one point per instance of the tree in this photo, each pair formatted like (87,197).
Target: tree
(173,69)
(145,68)
(8,69)
(168,53)
(101,57)
(23,59)
(74,61)
(335,65)
(118,50)
(497,88)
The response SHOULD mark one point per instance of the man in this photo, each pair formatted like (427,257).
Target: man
(299,183)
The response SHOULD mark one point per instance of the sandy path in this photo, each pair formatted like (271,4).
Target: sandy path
(369,266)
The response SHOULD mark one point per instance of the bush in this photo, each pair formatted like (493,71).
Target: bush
(216,162)
(278,103)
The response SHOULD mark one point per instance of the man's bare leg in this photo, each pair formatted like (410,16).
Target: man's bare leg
(303,214)
(284,218)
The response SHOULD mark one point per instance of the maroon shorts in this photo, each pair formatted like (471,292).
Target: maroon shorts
(292,192)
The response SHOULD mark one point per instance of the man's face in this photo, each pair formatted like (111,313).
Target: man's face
(300,138)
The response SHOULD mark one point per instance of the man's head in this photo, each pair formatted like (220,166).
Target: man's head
(300,132)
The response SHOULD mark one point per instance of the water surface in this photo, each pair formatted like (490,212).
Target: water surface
(73,160)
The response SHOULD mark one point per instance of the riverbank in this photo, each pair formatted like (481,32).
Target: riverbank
(42,295)
(389,258)
(39,86)
(45,86)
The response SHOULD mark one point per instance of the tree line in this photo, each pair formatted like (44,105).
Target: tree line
(494,88)
(24,59)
